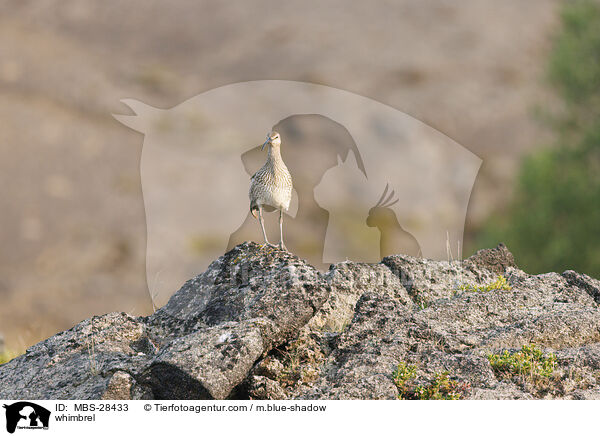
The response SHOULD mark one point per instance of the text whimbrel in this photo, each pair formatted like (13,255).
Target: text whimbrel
(271,186)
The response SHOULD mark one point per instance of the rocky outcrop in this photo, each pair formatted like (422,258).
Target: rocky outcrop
(261,323)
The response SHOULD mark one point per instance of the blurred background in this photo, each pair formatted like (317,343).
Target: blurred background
(516,83)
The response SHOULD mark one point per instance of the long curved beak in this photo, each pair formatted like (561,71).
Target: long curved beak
(265,143)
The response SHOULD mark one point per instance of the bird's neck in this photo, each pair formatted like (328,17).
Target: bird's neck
(275,155)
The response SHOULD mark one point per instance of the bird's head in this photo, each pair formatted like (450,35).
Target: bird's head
(381,215)
(273,139)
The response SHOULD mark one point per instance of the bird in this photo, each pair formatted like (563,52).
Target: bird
(271,187)
(394,239)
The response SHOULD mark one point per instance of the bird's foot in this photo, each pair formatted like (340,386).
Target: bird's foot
(268,244)
(282,246)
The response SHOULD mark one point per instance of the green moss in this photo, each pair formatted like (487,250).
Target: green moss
(529,363)
(499,284)
(442,387)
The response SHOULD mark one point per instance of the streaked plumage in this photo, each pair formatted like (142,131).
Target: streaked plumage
(271,186)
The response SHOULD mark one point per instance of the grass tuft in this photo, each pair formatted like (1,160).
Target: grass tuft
(529,363)
(403,375)
(442,387)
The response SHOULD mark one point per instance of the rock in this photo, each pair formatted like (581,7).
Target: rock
(202,344)
(119,386)
(349,281)
(542,309)
(79,363)
(260,323)
(206,364)
(269,367)
(264,388)
(589,284)
(250,281)
(366,353)
(428,280)
(496,260)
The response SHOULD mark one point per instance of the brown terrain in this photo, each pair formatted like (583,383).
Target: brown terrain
(73,232)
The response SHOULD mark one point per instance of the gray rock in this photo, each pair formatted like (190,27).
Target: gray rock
(543,309)
(119,386)
(427,280)
(250,281)
(366,353)
(348,282)
(264,388)
(208,363)
(202,344)
(79,363)
(496,260)
(589,284)
(262,324)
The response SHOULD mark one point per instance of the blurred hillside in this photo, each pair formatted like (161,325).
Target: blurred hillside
(73,227)
(552,220)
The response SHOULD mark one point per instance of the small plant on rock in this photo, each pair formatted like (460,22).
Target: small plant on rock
(442,387)
(403,376)
(499,284)
(530,363)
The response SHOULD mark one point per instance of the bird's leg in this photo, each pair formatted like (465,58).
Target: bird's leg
(281,244)
(262,224)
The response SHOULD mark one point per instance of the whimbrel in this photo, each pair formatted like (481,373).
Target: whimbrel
(271,186)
